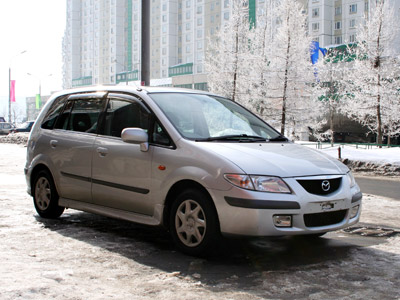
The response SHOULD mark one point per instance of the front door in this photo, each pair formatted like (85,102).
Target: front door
(121,175)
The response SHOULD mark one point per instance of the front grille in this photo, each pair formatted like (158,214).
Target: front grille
(325,218)
(320,186)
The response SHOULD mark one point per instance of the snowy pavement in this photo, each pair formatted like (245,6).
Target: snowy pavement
(83,256)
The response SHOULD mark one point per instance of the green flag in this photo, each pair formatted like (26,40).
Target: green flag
(38,101)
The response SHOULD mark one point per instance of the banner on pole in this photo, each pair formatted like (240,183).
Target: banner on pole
(38,101)
(12,91)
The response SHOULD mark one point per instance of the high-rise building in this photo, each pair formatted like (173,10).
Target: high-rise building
(102,42)
(335,22)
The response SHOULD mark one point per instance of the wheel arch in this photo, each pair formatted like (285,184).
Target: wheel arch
(38,168)
(174,191)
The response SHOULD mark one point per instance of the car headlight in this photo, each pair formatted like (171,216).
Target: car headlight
(268,184)
(351,179)
(242,181)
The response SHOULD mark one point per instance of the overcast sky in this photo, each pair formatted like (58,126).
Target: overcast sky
(36,26)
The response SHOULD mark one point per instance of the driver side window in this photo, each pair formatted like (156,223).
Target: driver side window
(123,114)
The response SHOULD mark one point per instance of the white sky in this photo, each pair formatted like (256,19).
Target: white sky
(36,26)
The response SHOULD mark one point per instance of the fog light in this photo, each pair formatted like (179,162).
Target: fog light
(354,211)
(282,221)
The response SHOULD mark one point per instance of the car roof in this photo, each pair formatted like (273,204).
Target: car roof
(130,88)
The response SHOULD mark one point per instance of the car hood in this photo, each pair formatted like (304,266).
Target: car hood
(277,159)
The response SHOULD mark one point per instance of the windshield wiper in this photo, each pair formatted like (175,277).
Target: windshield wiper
(237,137)
(279,138)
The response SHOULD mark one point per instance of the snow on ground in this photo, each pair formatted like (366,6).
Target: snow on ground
(360,153)
(361,158)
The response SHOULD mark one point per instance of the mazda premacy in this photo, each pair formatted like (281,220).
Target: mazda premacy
(199,164)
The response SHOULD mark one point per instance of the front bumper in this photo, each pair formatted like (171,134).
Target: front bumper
(251,213)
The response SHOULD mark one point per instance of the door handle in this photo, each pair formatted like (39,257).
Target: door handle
(53,144)
(102,151)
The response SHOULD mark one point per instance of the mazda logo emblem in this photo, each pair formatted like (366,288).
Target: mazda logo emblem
(326,186)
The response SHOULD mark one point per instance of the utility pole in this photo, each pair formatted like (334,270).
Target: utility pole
(145,61)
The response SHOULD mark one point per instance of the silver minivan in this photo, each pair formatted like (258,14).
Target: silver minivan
(199,164)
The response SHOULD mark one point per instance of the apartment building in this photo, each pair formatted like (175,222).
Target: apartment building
(335,22)
(102,41)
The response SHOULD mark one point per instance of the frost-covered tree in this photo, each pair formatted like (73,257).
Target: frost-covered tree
(372,77)
(330,88)
(289,63)
(225,62)
(266,67)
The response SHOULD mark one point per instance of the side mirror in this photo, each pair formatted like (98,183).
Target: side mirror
(136,136)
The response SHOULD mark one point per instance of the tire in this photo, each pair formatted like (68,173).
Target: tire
(194,223)
(45,196)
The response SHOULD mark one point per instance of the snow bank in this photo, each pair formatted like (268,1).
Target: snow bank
(15,138)
(380,161)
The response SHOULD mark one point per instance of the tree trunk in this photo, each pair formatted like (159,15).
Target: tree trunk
(331,123)
(377,65)
(236,64)
(285,82)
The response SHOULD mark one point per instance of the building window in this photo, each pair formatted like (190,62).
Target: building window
(338,39)
(338,25)
(352,38)
(315,26)
(226,15)
(353,8)
(338,10)
(199,21)
(315,12)
(199,9)
(352,23)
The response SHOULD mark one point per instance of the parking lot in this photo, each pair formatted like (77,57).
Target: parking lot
(84,256)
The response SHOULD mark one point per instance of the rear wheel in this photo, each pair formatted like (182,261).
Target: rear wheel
(45,196)
(194,222)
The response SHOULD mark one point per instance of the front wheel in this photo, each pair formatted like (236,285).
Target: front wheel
(194,222)
(45,196)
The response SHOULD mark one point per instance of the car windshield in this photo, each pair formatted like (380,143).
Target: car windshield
(210,118)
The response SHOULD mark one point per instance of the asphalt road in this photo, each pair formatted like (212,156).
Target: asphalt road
(380,186)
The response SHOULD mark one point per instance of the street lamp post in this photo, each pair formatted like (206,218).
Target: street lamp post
(9,85)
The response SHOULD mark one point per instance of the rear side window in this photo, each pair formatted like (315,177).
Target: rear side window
(53,113)
(123,114)
(81,115)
